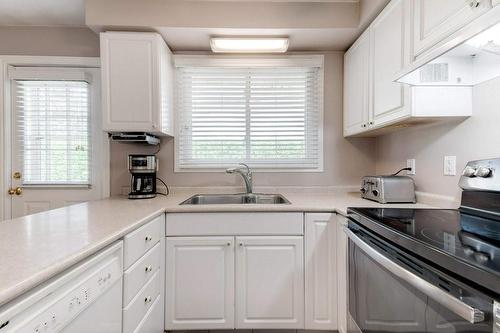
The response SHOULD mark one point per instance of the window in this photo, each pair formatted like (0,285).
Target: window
(267,114)
(52,125)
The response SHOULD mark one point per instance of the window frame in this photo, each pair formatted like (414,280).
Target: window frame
(257,62)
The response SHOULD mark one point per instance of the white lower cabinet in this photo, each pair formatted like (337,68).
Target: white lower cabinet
(153,320)
(144,278)
(234,282)
(269,282)
(199,283)
(255,278)
(342,269)
(321,271)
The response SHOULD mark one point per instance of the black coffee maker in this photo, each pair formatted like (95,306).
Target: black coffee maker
(143,181)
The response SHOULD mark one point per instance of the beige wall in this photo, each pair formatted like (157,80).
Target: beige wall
(221,14)
(49,41)
(345,160)
(475,138)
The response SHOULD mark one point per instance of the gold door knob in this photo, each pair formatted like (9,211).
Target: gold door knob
(16,191)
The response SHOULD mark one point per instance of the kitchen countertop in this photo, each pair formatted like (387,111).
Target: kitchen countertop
(37,247)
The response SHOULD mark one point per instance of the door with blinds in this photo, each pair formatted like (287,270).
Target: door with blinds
(56,140)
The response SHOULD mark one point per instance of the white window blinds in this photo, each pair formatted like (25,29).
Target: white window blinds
(267,117)
(52,131)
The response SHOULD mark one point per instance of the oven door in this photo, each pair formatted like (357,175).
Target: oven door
(390,291)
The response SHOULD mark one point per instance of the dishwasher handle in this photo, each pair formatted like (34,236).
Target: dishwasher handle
(465,311)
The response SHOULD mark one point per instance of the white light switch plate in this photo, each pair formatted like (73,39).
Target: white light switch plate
(450,166)
(410,163)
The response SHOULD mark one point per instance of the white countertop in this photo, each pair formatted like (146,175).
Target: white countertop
(37,247)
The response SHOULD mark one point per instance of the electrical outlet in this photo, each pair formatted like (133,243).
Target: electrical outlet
(410,163)
(450,166)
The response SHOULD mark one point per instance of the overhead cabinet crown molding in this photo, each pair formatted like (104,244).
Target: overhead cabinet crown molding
(137,83)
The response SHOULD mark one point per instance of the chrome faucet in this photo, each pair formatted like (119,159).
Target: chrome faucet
(245,173)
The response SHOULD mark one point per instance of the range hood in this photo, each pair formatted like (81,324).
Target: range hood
(135,137)
(469,57)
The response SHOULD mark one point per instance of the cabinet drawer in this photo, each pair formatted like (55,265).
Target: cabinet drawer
(153,321)
(141,240)
(140,272)
(230,224)
(142,302)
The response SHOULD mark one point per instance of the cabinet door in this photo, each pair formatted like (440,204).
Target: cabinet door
(342,281)
(269,282)
(130,65)
(434,20)
(356,66)
(389,53)
(320,272)
(199,283)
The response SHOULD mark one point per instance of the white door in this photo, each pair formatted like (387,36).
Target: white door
(57,147)
(199,283)
(434,20)
(269,282)
(390,52)
(320,272)
(356,79)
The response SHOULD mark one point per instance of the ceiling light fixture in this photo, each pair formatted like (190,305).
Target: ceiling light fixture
(249,45)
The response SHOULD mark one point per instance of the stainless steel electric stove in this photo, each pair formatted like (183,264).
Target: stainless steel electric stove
(429,270)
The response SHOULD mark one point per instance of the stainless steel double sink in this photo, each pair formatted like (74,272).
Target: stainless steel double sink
(235,199)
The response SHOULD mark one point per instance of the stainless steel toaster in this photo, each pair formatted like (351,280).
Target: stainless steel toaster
(388,189)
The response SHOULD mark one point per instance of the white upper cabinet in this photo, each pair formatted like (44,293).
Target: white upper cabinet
(387,44)
(389,53)
(269,282)
(356,86)
(137,83)
(434,20)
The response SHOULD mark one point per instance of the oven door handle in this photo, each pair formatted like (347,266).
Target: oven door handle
(452,303)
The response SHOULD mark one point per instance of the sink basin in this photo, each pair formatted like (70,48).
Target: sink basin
(235,199)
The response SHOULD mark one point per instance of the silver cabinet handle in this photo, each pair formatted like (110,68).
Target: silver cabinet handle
(452,303)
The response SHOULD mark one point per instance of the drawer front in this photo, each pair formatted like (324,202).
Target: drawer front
(153,321)
(230,224)
(142,302)
(141,240)
(140,272)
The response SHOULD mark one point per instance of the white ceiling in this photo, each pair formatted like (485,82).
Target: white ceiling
(42,12)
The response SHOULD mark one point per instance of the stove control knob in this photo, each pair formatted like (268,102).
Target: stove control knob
(363,190)
(469,171)
(483,172)
(468,250)
(481,257)
(375,193)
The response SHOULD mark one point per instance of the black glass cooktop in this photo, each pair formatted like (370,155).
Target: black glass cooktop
(464,244)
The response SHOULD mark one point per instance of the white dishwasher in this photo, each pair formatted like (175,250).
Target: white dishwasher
(86,298)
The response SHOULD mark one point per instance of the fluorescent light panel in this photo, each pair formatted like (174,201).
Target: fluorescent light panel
(249,45)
